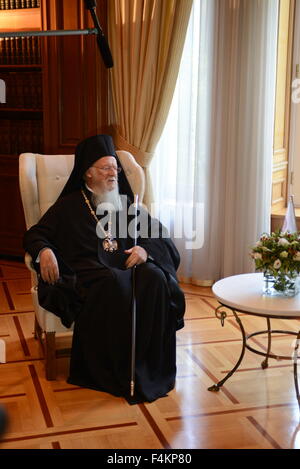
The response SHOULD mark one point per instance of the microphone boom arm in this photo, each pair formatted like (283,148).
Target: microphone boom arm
(67,32)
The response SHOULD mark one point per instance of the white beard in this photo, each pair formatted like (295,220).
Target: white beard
(111,199)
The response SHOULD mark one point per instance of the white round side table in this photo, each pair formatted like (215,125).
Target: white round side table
(244,294)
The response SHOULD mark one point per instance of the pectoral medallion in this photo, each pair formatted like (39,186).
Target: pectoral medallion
(110,245)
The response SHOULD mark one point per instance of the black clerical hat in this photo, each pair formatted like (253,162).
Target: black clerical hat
(87,152)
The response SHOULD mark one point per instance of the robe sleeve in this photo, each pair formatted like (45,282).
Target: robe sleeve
(62,298)
(164,253)
(42,235)
(158,244)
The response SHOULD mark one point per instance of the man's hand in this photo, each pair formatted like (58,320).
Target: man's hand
(138,255)
(49,266)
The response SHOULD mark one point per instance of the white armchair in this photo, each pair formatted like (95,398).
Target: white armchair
(42,178)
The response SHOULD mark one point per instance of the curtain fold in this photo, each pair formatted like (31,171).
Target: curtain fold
(147,39)
(217,145)
(251,127)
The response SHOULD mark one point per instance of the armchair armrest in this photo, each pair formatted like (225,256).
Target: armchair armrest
(28,262)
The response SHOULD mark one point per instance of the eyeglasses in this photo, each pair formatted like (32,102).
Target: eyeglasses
(107,169)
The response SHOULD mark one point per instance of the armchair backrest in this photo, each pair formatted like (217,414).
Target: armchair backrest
(42,178)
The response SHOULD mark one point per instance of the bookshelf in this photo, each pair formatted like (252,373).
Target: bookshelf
(21,116)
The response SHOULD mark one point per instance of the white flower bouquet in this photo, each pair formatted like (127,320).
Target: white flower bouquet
(278,256)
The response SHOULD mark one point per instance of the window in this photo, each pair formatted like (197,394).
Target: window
(280,183)
(295,115)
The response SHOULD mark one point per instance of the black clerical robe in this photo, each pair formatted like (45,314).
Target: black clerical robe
(95,291)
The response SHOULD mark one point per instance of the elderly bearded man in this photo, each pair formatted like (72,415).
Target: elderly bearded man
(83,282)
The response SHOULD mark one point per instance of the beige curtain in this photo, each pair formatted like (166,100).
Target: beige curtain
(146,38)
(218,141)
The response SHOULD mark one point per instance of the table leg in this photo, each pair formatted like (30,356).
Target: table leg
(295,358)
(216,387)
(265,363)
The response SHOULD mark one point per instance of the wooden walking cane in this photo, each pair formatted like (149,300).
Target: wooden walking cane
(133,330)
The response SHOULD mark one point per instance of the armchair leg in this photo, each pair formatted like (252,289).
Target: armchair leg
(50,356)
(37,330)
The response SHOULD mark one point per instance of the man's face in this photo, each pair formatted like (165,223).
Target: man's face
(103,175)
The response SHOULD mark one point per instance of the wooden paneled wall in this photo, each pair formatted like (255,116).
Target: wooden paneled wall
(12,224)
(75,80)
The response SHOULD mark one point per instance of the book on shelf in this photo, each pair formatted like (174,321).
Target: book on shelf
(18,4)
(23,90)
(20,51)
(20,136)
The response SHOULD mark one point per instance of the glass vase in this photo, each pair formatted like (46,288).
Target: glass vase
(282,284)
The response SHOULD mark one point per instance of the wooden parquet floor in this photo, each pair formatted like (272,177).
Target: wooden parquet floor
(255,409)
